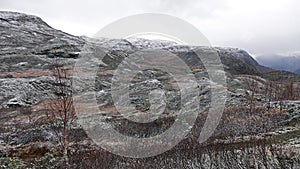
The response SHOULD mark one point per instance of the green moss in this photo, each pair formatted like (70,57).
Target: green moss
(287,136)
(11,163)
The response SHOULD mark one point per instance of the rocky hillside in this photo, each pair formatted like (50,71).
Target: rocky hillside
(29,48)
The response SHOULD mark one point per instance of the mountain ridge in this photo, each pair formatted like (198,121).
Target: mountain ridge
(281,62)
(41,39)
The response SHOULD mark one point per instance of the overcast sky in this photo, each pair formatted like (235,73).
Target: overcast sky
(258,26)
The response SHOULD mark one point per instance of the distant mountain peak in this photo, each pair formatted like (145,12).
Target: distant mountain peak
(281,62)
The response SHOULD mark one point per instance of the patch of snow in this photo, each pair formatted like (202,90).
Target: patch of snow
(21,64)
(155,81)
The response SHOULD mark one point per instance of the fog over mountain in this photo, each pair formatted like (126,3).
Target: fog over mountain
(289,63)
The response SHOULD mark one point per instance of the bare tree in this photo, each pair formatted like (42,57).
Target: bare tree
(269,92)
(252,89)
(280,94)
(289,91)
(297,91)
(61,112)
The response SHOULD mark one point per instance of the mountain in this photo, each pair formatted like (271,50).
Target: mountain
(281,62)
(297,71)
(29,48)
(38,38)
(27,34)
(29,45)
(240,62)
